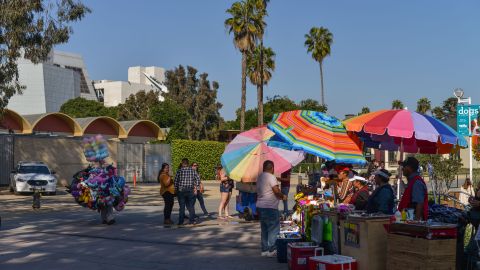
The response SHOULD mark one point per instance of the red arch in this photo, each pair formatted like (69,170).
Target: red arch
(101,126)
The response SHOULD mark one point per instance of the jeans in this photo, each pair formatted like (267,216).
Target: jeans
(270,227)
(199,197)
(169,201)
(186,198)
(285,191)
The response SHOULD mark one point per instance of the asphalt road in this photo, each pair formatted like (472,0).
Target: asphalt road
(63,235)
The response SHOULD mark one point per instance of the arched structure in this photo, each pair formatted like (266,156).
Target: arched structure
(53,122)
(13,121)
(143,128)
(102,125)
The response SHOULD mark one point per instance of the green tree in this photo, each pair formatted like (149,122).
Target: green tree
(447,111)
(31,28)
(397,105)
(424,105)
(173,116)
(255,67)
(312,105)
(319,42)
(198,96)
(364,110)
(138,106)
(247,25)
(80,107)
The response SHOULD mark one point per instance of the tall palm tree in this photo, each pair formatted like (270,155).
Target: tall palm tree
(260,61)
(424,105)
(247,25)
(364,110)
(397,105)
(262,8)
(318,42)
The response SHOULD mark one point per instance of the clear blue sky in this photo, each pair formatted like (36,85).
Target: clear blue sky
(382,50)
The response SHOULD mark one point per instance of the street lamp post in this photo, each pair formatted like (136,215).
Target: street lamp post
(458,92)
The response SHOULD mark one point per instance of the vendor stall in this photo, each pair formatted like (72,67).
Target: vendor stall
(364,238)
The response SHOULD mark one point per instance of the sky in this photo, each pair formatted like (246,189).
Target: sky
(382,50)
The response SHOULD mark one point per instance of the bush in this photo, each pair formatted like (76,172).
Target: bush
(206,153)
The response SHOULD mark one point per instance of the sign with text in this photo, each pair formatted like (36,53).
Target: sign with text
(352,234)
(462,119)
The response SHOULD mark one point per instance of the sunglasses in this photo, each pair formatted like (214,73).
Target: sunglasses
(194,165)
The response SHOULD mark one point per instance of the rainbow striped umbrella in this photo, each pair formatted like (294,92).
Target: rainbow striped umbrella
(405,131)
(318,134)
(244,156)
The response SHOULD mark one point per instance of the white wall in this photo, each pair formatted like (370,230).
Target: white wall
(32,101)
(117,92)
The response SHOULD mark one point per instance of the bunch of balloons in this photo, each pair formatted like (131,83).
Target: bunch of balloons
(95,148)
(98,187)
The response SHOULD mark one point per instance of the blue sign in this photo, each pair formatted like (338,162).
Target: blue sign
(462,119)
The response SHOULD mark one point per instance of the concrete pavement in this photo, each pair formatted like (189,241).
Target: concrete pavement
(64,235)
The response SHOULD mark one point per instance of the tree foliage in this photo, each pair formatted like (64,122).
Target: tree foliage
(138,106)
(424,105)
(31,28)
(318,42)
(445,170)
(80,107)
(397,105)
(448,110)
(364,110)
(170,114)
(247,26)
(274,105)
(199,98)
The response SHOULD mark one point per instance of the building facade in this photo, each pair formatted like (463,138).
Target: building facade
(61,77)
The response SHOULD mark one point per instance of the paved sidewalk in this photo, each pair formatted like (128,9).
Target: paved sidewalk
(63,235)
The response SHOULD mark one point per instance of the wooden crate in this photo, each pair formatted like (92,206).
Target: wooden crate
(405,252)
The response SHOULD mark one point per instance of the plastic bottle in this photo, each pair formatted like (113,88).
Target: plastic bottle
(398,216)
(404,215)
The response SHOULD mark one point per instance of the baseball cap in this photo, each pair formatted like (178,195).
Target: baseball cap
(411,162)
(359,178)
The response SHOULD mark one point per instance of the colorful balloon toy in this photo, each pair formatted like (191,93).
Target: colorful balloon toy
(97,187)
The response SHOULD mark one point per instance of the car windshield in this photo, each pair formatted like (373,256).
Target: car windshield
(34,169)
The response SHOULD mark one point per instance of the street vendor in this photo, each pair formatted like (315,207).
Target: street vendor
(415,196)
(360,196)
(382,199)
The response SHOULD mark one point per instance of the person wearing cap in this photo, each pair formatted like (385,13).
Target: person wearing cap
(415,195)
(360,196)
(382,199)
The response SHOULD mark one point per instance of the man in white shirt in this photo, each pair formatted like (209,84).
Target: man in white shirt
(268,196)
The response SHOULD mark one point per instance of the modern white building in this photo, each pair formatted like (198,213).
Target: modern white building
(113,93)
(61,77)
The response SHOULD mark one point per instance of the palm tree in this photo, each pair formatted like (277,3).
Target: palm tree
(424,105)
(318,42)
(365,110)
(261,7)
(247,25)
(397,105)
(257,65)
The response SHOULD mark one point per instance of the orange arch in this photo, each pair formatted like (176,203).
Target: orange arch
(143,128)
(101,125)
(53,122)
(13,121)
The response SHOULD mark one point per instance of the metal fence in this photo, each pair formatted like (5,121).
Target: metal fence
(155,155)
(6,158)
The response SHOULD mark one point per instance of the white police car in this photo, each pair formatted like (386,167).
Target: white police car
(30,175)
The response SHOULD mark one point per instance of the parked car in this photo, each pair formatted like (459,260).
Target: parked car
(30,174)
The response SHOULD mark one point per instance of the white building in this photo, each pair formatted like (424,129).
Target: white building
(61,77)
(114,92)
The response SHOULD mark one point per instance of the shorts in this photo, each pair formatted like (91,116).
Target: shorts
(226,187)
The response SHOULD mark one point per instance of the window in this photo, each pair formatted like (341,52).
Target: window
(83,82)
(33,169)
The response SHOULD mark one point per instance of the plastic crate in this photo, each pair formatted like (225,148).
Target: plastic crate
(298,254)
(282,244)
(332,262)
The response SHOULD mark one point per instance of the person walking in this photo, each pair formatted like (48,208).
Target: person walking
(268,197)
(167,190)
(226,188)
(415,196)
(466,191)
(186,182)
(285,188)
(200,190)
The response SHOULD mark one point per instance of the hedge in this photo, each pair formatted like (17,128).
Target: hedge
(205,153)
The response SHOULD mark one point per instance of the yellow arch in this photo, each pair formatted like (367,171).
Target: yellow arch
(26,126)
(86,122)
(34,119)
(129,125)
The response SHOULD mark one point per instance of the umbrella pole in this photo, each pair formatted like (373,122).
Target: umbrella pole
(399,180)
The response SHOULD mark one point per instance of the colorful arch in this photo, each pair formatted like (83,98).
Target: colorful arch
(53,122)
(102,125)
(11,120)
(143,128)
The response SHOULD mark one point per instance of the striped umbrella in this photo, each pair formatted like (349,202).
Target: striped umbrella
(244,156)
(405,131)
(318,134)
